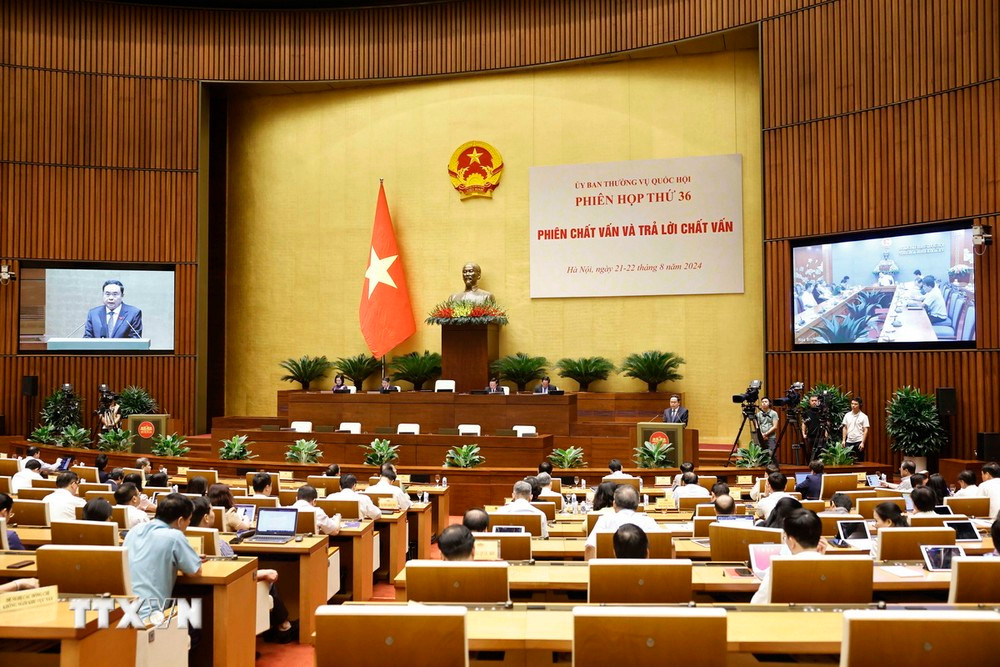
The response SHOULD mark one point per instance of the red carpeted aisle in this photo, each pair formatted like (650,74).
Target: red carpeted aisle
(296,655)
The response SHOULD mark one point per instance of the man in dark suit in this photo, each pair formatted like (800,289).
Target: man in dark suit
(494,387)
(675,414)
(546,386)
(812,485)
(114,319)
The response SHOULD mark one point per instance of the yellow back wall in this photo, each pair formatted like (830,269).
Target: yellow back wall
(304,172)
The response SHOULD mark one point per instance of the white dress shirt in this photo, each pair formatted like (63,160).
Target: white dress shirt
(970,491)
(134,516)
(618,474)
(62,505)
(523,506)
(23,480)
(366,508)
(324,523)
(767,503)
(609,523)
(763,594)
(385,486)
(991,489)
(690,491)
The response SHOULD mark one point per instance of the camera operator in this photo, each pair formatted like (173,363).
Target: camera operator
(812,428)
(767,422)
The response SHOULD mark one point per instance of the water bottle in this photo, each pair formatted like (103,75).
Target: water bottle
(575,507)
(645,501)
(174,488)
(444,482)
(427,497)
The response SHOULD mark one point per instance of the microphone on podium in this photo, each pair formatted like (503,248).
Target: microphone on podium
(75,330)
(137,334)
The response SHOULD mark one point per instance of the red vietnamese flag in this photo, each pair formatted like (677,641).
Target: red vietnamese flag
(386,314)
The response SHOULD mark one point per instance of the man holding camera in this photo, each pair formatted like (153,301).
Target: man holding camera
(812,429)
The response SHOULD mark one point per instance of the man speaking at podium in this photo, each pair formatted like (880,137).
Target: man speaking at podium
(114,319)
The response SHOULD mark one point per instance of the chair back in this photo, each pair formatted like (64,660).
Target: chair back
(974,580)
(302,426)
(107,495)
(287,497)
(866,506)
(470,429)
(824,580)
(34,493)
(969,505)
(690,503)
(648,636)
(305,523)
(918,637)
(532,522)
(324,485)
(548,507)
(347,509)
(97,533)
(444,385)
(701,524)
(84,570)
(832,483)
(904,543)
(350,427)
(638,581)
(30,512)
(708,481)
(592,518)
(211,476)
(858,494)
(935,521)
(659,544)
(87,487)
(729,542)
(511,546)
(453,581)
(119,516)
(4,539)
(557,485)
(87,473)
(523,430)
(390,635)
(705,509)
(275,483)
(43,483)
(5,485)
(269,501)
(210,539)
(830,520)
(813,505)
(634,482)
(409,427)
(10,467)
(887,493)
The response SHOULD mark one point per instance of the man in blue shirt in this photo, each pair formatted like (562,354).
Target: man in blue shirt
(156,550)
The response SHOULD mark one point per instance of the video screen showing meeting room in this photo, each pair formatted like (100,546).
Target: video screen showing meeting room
(917,289)
(96,309)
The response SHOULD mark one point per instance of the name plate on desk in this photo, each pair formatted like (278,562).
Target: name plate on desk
(34,597)
(663,481)
(388,504)
(744,480)
(665,503)
(286,474)
(487,549)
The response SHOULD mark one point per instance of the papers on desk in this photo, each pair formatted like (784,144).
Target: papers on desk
(901,571)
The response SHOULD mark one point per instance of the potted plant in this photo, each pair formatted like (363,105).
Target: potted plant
(464,456)
(752,456)
(960,273)
(837,454)
(653,454)
(416,368)
(116,440)
(914,425)
(571,457)
(358,368)
(305,370)
(585,370)
(303,451)
(169,445)
(236,448)
(46,434)
(379,452)
(520,369)
(135,400)
(839,404)
(61,409)
(653,368)
(75,436)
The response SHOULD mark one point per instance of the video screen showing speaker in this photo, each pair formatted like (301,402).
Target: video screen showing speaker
(97,308)
(914,290)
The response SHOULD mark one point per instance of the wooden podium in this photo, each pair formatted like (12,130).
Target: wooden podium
(466,353)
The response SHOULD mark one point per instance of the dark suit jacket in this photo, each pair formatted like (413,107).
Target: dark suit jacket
(97,323)
(810,488)
(681,418)
(552,387)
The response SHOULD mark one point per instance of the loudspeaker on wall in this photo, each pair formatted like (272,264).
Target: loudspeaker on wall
(988,447)
(947,402)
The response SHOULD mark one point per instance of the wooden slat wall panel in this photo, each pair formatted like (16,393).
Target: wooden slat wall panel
(79,119)
(143,215)
(935,158)
(875,375)
(859,54)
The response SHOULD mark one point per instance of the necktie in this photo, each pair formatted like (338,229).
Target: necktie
(111,322)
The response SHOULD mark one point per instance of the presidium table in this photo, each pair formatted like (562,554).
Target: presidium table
(897,320)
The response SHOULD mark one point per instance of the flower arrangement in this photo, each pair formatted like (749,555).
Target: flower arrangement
(960,270)
(467,312)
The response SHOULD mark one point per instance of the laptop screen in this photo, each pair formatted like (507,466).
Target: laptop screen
(938,558)
(800,477)
(853,530)
(942,509)
(874,480)
(734,517)
(277,520)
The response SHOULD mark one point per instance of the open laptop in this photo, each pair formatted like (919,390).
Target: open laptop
(508,529)
(855,533)
(909,502)
(62,464)
(275,525)
(942,509)
(937,558)
(735,517)
(760,557)
(800,477)
(965,531)
(873,480)
(247,512)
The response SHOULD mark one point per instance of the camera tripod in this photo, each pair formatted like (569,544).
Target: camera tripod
(795,434)
(749,415)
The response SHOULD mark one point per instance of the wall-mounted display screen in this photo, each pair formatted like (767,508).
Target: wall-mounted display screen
(111,308)
(916,289)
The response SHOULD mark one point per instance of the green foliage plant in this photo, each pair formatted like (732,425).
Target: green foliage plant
(416,368)
(75,436)
(357,368)
(305,370)
(520,369)
(839,402)
(236,448)
(585,370)
(837,454)
(303,451)
(379,452)
(169,445)
(571,457)
(841,329)
(913,423)
(135,400)
(116,440)
(653,367)
(653,454)
(464,456)
(752,456)
(46,434)
(61,410)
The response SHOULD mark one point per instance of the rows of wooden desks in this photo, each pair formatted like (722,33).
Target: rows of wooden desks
(556,580)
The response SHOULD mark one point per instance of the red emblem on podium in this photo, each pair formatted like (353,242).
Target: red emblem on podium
(475,169)
(659,438)
(146,430)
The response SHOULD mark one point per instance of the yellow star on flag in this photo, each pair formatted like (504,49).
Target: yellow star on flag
(378,271)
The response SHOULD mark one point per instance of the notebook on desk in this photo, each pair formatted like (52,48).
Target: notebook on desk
(275,525)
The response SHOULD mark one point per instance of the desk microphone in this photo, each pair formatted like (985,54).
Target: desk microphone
(137,334)
(242,536)
(75,330)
